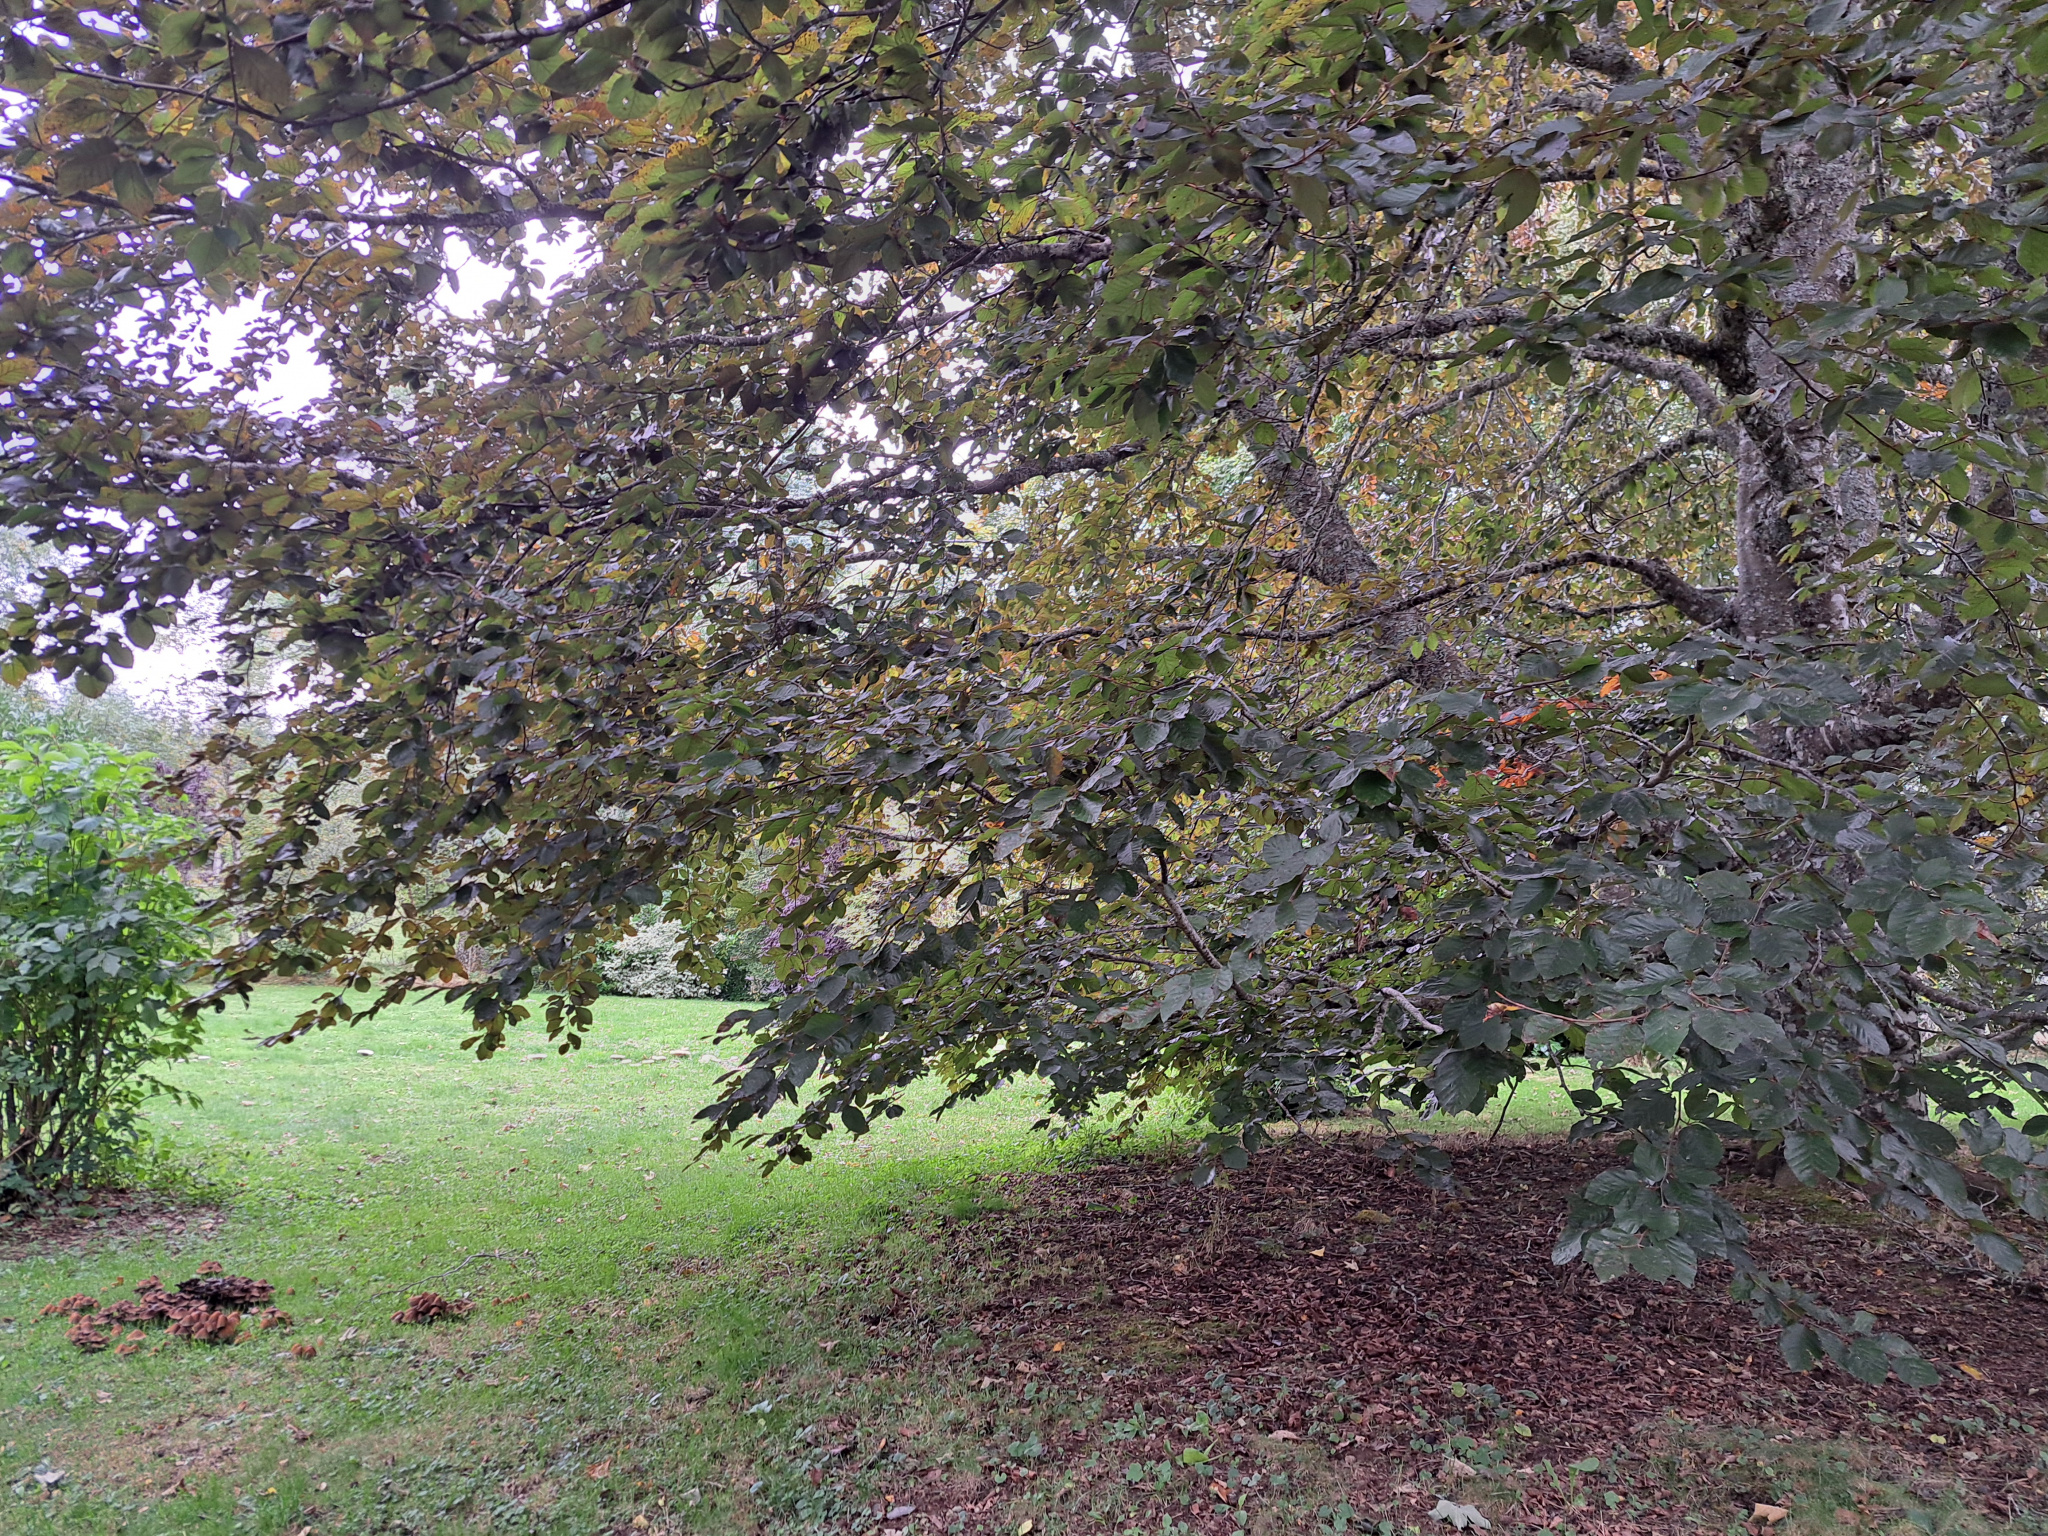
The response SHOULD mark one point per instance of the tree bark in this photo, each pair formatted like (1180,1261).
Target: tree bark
(1803,503)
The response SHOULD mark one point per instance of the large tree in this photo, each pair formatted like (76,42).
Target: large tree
(1330,554)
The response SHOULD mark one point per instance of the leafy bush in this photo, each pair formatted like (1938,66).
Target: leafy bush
(96,938)
(643,964)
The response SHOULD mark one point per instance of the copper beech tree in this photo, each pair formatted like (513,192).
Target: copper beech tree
(1327,555)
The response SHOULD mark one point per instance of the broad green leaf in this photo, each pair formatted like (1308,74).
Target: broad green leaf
(1519,192)
(1917,924)
(1811,1156)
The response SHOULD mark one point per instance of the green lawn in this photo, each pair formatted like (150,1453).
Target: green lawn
(662,1343)
(358,1166)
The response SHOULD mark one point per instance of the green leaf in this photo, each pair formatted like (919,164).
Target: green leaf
(1774,947)
(2001,339)
(2033,252)
(1999,1250)
(1812,1156)
(1665,1030)
(257,72)
(1518,192)
(1915,1371)
(1691,951)
(1917,924)
(1866,1360)
(1729,1030)
(91,164)
(1800,1345)
(206,252)
(181,32)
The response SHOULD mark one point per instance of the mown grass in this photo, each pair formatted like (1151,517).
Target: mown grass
(353,1179)
(662,1343)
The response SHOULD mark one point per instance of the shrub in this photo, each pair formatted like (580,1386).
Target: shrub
(96,939)
(643,964)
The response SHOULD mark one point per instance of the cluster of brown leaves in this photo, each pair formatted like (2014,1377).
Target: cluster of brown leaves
(433,1307)
(209,1308)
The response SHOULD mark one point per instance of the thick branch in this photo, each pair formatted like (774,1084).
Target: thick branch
(1328,551)
(1609,57)
(1700,606)
(1671,448)
(1666,338)
(1443,322)
(1765,421)
(1687,381)
(1484,386)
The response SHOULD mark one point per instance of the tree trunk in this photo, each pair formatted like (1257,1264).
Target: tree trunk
(1804,503)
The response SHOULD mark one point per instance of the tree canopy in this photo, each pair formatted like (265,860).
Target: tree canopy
(1328,554)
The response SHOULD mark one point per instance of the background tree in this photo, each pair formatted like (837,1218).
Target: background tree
(168,729)
(1359,550)
(96,943)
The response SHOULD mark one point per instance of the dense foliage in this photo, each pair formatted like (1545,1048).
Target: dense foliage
(1324,553)
(96,944)
(643,964)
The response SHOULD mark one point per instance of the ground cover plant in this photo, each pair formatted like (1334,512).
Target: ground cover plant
(955,1321)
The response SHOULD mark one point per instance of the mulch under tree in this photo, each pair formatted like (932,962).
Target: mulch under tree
(1323,1262)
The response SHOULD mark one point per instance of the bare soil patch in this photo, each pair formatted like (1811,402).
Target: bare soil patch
(110,1218)
(1352,1305)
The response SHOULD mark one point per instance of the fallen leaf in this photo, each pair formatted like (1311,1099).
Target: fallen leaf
(1970,1371)
(1316,1253)
(602,1469)
(1283,1434)
(901,1512)
(1768,1514)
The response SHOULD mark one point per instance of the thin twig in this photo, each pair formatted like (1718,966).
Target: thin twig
(1505,1107)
